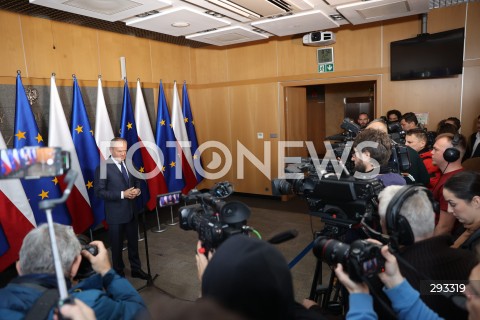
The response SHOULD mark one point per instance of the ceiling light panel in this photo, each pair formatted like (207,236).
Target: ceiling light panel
(109,10)
(378,10)
(227,36)
(297,23)
(164,22)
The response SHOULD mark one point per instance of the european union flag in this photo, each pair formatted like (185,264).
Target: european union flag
(26,135)
(87,151)
(128,131)
(163,133)
(192,135)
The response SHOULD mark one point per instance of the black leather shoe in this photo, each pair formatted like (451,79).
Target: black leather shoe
(139,273)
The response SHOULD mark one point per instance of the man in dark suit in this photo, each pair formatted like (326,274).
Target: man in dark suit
(474,143)
(119,188)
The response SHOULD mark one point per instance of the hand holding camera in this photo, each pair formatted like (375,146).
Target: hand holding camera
(392,276)
(202,257)
(100,262)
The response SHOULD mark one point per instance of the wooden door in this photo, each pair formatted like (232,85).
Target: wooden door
(296,120)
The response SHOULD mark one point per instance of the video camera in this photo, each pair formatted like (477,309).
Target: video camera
(361,259)
(335,199)
(396,132)
(214,219)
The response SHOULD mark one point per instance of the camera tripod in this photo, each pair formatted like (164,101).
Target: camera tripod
(328,296)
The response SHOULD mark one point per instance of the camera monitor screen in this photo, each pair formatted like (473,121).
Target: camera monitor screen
(168,199)
(33,162)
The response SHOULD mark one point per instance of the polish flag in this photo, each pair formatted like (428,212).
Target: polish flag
(16,217)
(150,155)
(103,126)
(59,136)
(183,143)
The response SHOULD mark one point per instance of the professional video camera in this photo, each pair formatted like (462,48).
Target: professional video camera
(214,220)
(335,199)
(396,132)
(361,259)
(351,131)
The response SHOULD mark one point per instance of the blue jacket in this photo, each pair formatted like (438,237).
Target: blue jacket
(110,296)
(405,300)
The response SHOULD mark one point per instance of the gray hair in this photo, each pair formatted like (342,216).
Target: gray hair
(417,209)
(36,252)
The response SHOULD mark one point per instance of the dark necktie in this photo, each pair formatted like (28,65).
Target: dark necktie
(124,171)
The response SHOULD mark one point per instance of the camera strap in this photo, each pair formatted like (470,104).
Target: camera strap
(43,305)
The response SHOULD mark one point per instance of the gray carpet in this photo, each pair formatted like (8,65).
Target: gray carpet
(172,254)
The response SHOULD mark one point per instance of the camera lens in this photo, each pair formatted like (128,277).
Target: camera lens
(331,251)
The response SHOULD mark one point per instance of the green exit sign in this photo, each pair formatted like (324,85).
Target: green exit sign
(326,67)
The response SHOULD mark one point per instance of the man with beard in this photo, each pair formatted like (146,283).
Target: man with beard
(372,151)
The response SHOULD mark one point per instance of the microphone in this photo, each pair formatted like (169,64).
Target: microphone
(283,236)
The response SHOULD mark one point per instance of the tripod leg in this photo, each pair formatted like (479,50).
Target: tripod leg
(317,279)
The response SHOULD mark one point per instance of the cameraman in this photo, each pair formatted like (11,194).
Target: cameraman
(416,173)
(34,292)
(405,300)
(371,160)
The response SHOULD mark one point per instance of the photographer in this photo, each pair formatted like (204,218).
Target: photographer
(407,213)
(35,293)
(405,300)
(251,278)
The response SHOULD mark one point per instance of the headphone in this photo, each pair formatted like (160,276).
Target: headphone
(396,223)
(452,154)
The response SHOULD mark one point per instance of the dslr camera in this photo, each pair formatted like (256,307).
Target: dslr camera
(361,259)
(214,219)
(85,270)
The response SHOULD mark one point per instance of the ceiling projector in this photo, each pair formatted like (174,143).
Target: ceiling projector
(319,38)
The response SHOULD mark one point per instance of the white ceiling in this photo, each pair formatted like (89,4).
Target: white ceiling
(227,22)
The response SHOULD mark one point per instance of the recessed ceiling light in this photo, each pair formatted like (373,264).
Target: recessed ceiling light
(180,24)
(337,17)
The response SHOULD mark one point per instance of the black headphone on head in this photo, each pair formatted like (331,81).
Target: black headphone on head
(396,223)
(452,154)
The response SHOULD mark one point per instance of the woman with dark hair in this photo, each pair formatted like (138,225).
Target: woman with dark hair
(462,192)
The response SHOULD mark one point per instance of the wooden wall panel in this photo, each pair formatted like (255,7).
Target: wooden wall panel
(212,123)
(357,48)
(294,58)
(136,51)
(39,42)
(76,51)
(170,62)
(448,18)
(472,47)
(255,61)
(471,101)
(253,110)
(209,65)
(12,48)
(425,96)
